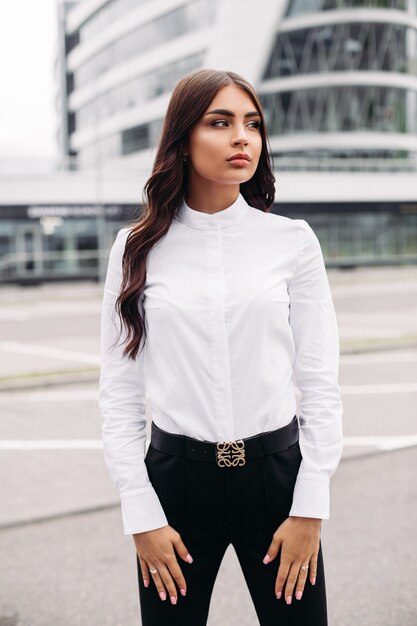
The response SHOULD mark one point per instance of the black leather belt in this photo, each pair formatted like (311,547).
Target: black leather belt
(226,453)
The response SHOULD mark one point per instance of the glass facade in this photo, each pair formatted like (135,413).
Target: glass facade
(346,160)
(187,18)
(136,91)
(298,7)
(43,243)
(125,142)
(343,47)
(356,233)
(106,15)
(55,242)
(345,108)
(337,105)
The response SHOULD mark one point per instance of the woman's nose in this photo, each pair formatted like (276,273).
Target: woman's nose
(241,138)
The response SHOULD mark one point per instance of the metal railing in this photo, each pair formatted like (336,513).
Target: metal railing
(339,164)
(46,266)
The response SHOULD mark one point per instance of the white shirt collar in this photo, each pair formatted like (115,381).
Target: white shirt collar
(221,219)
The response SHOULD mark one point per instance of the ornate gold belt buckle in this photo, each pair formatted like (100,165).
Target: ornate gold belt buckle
(230,453)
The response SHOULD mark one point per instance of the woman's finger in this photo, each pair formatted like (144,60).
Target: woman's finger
(164,582)
(291,580)
(145,571)
(177,575)
(283,570)
(313,568)
(301,580)
(157,580)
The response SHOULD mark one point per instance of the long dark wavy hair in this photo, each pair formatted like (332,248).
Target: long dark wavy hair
(166,186)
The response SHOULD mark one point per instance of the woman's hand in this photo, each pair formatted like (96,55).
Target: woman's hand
(155,549)
(299,539)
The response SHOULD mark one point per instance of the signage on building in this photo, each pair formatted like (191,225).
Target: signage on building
(69,210)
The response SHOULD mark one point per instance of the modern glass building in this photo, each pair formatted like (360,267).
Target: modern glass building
(338,83)
(337,78)
(122,59)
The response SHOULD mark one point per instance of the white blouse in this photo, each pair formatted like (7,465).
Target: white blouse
(238,309)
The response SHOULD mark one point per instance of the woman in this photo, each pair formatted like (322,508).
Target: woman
(223,306)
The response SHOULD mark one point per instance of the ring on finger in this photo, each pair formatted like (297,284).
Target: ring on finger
(153,571)
(305,566)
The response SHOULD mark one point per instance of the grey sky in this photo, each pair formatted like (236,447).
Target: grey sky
(27,101)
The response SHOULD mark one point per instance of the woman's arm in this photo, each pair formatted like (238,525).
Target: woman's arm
(122,406)
(316,368)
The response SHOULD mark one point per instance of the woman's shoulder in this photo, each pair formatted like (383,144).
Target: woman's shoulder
(277,220)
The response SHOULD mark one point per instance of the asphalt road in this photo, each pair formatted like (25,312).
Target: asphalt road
(79,570)
(64,560)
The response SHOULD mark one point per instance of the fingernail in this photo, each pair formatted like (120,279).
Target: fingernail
(162,595)
(298,595)
(313,581)
(189,558)
(267,558)
(279,594)
(173,600)
(183,592)
(289,598)
(146,583)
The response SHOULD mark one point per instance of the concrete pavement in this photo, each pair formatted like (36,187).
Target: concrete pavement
(64,558)
(50,333)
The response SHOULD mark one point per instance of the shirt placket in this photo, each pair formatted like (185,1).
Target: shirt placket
(222,393)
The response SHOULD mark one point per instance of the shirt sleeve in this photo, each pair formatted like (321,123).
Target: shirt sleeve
(123,409)
(316,369)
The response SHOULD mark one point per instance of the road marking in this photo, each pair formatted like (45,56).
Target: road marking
(382,442)
(379,388)
(390,442)
(51,444)
(54,353)
(62,396)
(375,332)
(43,310)
(54,444)
(377,288)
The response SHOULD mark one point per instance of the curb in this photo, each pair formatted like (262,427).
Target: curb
(93,377)
(49,381)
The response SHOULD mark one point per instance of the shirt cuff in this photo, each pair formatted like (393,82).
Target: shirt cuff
(311,498)
(142,511)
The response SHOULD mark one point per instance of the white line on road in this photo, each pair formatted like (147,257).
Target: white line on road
(42,310)
(377,288)
(359,331)
(51,444)
(62,396)
(379,388)
(92,394)
(381,442)
(54,353)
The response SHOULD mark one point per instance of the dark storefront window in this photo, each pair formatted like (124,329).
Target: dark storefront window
(135,139)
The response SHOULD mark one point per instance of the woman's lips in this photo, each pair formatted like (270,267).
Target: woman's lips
(239,162)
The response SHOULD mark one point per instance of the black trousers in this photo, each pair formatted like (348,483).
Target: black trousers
(212,507)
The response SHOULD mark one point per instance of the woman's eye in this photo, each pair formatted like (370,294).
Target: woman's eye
(257,124)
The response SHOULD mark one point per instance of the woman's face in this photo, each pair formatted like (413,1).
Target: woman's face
(218,136)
